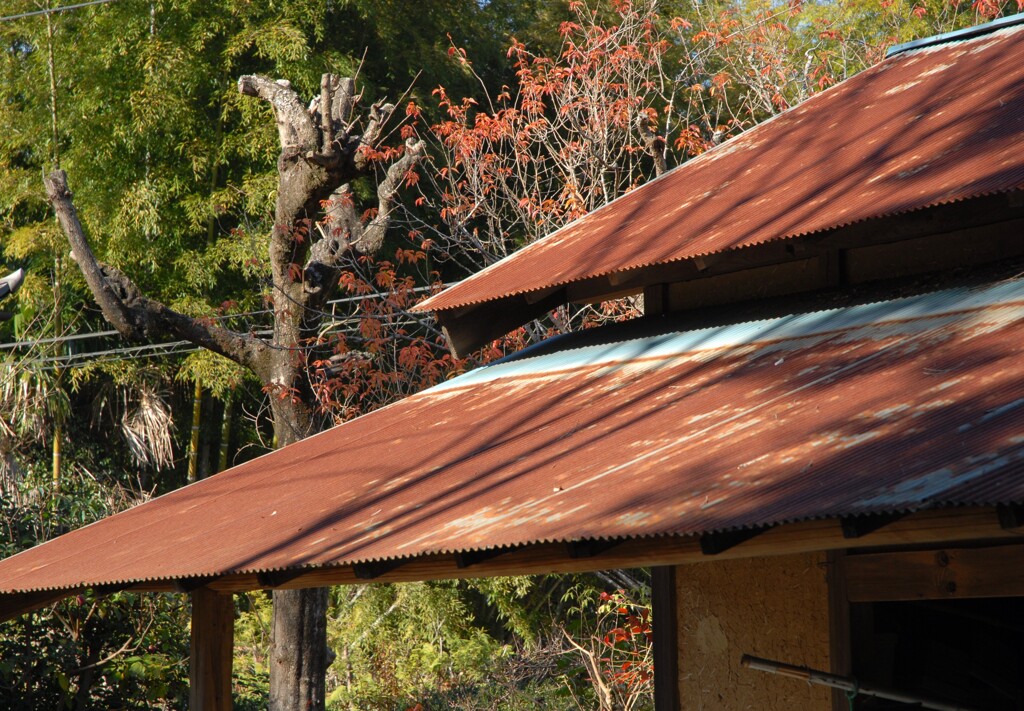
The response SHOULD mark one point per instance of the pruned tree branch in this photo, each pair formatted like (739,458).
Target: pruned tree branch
(344,101)
(113,307)
(379,115)
(326,105)
(315,183)
(294,125)
(345,229)
(398,172)
(132,314)
(654,144)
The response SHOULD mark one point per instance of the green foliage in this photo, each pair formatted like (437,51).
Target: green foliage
(251,667)
(447,645)
(393,641)
(120,651)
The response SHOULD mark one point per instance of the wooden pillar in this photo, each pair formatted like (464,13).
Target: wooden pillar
(840,647)
(666,638)
(213,628)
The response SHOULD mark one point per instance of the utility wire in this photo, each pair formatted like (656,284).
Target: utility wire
(119,355)
(120,359)
(149,350)
(53,10)
(226,317)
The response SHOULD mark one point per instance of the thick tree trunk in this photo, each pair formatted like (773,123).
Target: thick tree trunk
(317,224)
(299,652)
(299,659)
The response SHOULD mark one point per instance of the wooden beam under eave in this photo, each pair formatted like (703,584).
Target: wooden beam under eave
(950,573)
(17,604)
(213,629)
(925,527)
(474,326)
(939,526)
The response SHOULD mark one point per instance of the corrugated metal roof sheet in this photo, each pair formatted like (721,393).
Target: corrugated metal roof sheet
(892,406)
(927,127)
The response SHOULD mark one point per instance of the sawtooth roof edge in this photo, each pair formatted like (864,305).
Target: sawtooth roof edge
(128,582)
(728,427)
(449,299)
(424,306)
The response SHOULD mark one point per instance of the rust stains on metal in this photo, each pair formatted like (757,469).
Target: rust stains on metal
(895,406)
(927,127)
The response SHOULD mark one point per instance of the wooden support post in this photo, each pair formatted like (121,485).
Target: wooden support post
(213,626)
(840,650)
(666,638)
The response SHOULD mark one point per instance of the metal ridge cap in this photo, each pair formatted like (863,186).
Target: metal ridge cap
(666,342)
(957,35)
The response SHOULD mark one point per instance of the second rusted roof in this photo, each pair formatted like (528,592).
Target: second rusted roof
(886,407)
(926,127)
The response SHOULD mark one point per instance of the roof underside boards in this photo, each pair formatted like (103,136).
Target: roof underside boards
(894,406)
(924,128)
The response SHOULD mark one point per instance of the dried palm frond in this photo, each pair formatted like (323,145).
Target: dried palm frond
(147,428)
(10,473)
(30,402)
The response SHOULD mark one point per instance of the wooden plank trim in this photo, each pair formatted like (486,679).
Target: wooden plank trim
(473,325)
(994,571)
(926,527)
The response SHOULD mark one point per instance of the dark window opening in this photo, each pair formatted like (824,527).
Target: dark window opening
(968,652)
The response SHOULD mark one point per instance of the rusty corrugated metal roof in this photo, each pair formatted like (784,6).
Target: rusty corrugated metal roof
(924,128)
(893,406)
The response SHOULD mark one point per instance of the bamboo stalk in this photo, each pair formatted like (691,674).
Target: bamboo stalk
(225,432)
(193,445)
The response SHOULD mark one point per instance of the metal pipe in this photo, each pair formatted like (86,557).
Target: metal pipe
(846,683)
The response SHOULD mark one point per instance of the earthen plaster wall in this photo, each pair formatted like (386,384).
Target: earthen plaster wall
(770,607)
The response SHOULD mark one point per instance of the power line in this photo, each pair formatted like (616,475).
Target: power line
(54,10)
(151,350)
(57,339)
(119,355)
(103,334)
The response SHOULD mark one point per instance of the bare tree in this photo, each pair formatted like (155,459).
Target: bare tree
(324,146)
